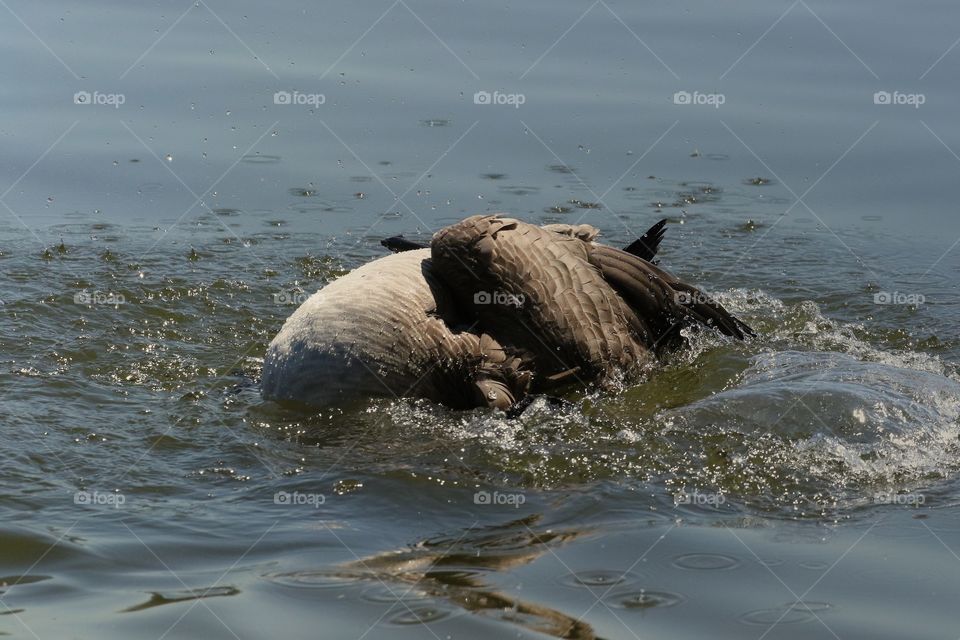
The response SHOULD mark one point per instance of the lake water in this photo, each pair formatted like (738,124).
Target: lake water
(176,177)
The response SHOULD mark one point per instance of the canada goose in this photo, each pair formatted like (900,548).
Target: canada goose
(493,310)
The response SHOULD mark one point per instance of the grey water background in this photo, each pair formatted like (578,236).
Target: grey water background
(801,485)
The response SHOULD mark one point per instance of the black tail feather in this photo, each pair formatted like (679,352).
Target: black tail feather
(646,246)
(398,244)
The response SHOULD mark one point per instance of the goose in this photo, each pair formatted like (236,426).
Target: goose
(492,311)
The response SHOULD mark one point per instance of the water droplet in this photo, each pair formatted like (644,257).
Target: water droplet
(313,579)
(790,613)
(597,578)
(420,615)
(705,562)
(644,599)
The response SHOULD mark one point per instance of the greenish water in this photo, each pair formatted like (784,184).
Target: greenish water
(803,484)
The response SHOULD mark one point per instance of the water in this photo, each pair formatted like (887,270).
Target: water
(804,484)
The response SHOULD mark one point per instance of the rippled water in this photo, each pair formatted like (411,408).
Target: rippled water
(801,484)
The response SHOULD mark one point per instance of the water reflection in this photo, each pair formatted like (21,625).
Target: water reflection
(438,576)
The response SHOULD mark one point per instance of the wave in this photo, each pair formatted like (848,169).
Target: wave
(815,414)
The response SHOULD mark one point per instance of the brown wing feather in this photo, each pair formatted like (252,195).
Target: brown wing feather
(569,315)
(661,298)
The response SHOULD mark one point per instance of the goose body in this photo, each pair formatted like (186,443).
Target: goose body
(386,328)
(494,309)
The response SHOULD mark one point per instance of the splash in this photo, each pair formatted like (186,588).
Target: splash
(814,415)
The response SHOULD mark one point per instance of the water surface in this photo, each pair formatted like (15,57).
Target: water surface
(803,484)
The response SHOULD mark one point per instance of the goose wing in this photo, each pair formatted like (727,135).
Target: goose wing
(660,298)
(534,290)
